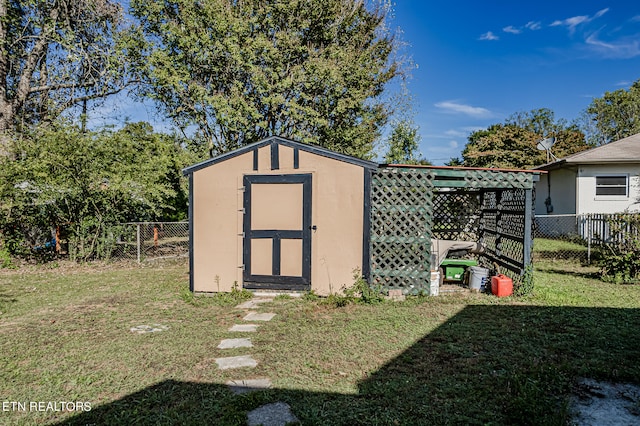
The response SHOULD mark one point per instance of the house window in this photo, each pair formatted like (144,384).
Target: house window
(612,185)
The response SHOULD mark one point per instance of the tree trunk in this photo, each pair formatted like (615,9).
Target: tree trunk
(6,109)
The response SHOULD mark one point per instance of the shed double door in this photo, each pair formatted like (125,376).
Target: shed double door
(277,232)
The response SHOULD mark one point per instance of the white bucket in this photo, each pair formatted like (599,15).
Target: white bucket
(478,278)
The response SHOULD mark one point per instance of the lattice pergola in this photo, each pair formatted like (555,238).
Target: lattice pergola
(411,205)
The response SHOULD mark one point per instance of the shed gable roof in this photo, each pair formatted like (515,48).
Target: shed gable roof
(626,150)
(314,149)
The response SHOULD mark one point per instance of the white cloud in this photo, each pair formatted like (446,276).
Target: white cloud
(472,129)
(489,36)
(635,18)
(623,83)
(533,25)
(511,29)
(453,144)
(457,108)
(574,21)
(456,133)
(623,48)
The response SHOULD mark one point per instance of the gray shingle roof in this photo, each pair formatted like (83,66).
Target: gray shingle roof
(625,150)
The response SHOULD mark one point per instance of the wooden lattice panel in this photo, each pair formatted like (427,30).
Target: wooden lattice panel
(503,226)
(492,207)
(401,217)
(456,215)
(496,179)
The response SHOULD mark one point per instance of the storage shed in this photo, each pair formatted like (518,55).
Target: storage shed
(283,215)
(278,214)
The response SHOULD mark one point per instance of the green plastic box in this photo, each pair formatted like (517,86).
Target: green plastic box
(454,269)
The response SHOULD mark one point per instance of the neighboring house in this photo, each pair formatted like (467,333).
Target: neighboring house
(600,180)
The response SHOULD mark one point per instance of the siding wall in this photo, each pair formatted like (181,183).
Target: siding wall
(588,202)
(563,192)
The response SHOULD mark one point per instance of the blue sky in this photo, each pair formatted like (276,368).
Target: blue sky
(477,62)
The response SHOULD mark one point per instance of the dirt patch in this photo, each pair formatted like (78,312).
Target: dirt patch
(603,403)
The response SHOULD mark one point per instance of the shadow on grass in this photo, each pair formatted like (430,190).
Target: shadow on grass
(487,364)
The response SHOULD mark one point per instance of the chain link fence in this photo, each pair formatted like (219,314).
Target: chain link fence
(142,241)
(574,237)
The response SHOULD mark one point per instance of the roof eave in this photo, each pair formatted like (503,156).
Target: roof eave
(315,149)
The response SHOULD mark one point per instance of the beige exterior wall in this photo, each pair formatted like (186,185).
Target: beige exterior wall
(217,225)
(336,210)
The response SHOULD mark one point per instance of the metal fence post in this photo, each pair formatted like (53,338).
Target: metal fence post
(589,240)
(138,240)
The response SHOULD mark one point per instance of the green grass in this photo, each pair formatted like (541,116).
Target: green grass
(547,249)
(454,359)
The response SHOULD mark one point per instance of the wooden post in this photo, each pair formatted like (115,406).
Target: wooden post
(528,234)
(155,236)
(58,247)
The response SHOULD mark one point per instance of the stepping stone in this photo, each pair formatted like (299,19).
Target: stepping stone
(276,414)
(244,386)
(141,329)
(236,362)
(245,328)
(253,303)
(235,343)
(254,316)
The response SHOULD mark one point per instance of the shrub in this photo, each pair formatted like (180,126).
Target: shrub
(620,260)
(84,183)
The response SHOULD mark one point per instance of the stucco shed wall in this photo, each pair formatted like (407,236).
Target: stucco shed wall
(337,211)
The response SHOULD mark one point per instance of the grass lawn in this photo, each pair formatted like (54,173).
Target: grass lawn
(452,359)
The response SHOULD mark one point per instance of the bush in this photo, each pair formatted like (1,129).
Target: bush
(85,183)
(5,260)
(620,261)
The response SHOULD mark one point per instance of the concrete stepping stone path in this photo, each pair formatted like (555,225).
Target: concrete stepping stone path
(244,328)
(235,343)
(141,329)
(255,316)
(241,361)
(276,414)
(244,386)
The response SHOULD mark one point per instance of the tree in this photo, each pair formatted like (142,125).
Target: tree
(88,182)
(55,54)
(616,115)
(403,145)
(512,144)
(242,71)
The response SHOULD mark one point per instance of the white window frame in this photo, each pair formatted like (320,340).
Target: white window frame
(613,175)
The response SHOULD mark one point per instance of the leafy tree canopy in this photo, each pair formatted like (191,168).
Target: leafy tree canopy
(403,145)
(55,54)
(88,181)
(240,71)
(615,115)
(512,144)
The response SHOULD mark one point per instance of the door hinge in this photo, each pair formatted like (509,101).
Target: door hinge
(241,234)
(243,210)
(241,267)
